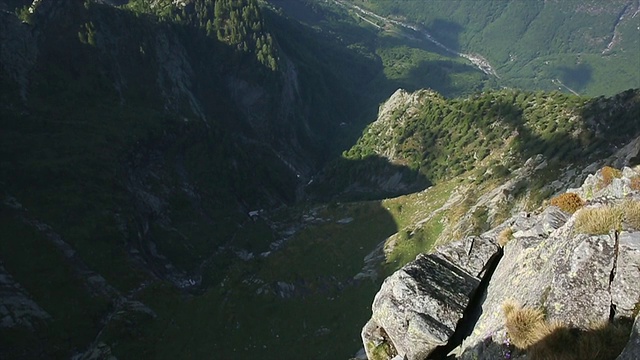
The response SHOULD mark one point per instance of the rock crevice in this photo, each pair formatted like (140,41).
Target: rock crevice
(473,311)
(420,306)
(576,277)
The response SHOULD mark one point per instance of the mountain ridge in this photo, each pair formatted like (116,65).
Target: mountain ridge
(160,187)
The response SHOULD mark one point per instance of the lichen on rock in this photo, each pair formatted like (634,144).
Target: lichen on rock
(586,285)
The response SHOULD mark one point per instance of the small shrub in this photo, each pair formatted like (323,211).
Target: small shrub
(568,202)
(608,174)
(598,221)
(382,352)
(505,236)
(479,220)
(589,193)
(500,171)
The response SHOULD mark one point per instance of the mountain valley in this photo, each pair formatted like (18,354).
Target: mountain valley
(235,179)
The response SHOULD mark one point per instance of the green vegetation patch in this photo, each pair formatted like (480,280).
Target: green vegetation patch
(440,138)
(535,44)
(410,243)
(304,295)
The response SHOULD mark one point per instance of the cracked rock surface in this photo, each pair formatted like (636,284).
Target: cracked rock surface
(419,307)
(625,287)
(576,279)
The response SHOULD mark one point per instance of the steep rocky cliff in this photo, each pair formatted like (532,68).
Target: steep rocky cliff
(560,282)
(133,148)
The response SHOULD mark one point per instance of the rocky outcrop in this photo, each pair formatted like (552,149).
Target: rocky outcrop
(576,277)
(596,187)
(175,74)
(567,276)
(419,306)
(99,352)
(397,110)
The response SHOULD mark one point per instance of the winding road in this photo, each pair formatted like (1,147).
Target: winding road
(476,59)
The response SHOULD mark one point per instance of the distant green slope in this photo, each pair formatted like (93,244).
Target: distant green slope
(434,138)
(591,46)
(401,60)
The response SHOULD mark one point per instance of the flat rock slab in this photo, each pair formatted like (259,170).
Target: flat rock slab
(471,254)
(419,306)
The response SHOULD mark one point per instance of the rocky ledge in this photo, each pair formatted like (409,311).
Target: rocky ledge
(561,284)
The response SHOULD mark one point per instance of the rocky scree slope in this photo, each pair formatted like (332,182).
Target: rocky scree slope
(576,272)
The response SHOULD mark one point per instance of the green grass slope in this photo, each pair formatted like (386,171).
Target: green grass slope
(441,138)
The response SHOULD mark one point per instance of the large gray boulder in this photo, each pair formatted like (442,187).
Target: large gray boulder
(419,306)
(577,280)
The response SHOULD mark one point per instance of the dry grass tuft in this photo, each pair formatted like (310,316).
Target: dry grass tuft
(525,326)
(509,307)
(635,183)
(505,236)
(568,202)
(608,174)
(528,330)
(631,210)
(598,221)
